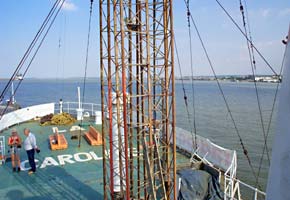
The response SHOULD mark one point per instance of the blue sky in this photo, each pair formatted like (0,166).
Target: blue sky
(20,20)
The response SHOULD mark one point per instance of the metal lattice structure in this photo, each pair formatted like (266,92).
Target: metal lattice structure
(138,105)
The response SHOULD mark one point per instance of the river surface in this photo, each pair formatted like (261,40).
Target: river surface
(212,118)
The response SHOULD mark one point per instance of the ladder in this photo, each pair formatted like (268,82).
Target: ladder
(2,150)
(155,178)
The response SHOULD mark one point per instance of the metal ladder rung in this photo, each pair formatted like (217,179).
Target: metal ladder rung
(153,176)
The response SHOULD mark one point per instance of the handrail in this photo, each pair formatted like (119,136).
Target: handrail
(74,102)
(255,190)
(93,107)
(70,107)
(231,183)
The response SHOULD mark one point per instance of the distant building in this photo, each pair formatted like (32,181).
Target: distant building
(268,79)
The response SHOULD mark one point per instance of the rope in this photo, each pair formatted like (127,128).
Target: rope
(191,67)
(61,55)
(86,66)
(29,49)
(35,53)
(57,79)
(253,67)
(184,93)
(244,34)
(223,96)
(272,112)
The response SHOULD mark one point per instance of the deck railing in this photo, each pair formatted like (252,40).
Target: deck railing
(232,185)
(242,190)
(223,160)
(71,107)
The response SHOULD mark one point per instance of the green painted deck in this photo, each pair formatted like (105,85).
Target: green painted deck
(73,173)
(81,179)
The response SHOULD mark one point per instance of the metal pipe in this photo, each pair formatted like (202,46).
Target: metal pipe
(124,92)
(138,108)
(131,164)
(173,99)
(79,97)
(103,100)
(109,78)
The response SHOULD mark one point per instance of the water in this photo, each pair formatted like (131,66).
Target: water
(212,118)
(214,122)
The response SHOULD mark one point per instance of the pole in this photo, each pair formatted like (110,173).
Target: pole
(79,97)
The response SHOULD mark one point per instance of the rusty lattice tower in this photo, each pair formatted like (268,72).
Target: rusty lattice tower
(137,78)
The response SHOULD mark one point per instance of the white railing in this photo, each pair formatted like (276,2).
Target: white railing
(217,155)
(25,114)
(223,160)
(232,185)
(229,186)
(248,190)
(71,107)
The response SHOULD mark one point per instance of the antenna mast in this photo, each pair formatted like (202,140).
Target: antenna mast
(138,105)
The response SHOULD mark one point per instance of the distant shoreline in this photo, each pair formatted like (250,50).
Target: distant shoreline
(227,78)
(234,78)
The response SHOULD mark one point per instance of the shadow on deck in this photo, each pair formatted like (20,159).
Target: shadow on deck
(51,183)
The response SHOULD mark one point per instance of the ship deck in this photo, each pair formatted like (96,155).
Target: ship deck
(79,178)
(73,173)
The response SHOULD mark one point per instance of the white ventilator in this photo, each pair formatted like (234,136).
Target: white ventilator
(116,144)
(79,109)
